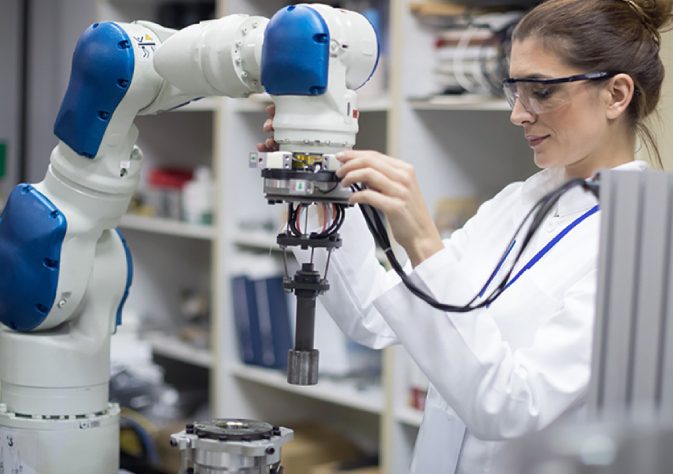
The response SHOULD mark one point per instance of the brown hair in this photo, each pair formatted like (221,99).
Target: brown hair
(608,35)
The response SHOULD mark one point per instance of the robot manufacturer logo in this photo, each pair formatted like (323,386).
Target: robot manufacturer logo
(146,44)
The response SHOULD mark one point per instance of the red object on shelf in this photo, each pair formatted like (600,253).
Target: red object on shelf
(417,399)
(173,178)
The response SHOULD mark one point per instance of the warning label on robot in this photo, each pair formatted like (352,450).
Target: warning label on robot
(147,45)
(16,452)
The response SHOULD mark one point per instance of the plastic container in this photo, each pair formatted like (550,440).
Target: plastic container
(164,192)
(197,197)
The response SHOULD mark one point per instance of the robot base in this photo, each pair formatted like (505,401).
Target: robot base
(73,444)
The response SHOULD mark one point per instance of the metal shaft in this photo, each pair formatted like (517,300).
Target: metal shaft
(305,327)
(302,367)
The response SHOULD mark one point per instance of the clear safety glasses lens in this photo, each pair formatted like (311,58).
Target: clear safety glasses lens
(536,97)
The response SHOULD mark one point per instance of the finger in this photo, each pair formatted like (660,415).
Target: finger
(380,163)
(270,110)
(261,147)
(351,155)
(376,180)
(271,144)
(268,125)
(375,199)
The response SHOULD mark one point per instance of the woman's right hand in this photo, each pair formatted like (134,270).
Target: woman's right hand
(269,144)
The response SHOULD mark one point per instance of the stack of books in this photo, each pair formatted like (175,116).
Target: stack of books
(262,320)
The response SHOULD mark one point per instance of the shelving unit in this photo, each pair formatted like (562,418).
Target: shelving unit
(164,226)
(171,256)
(460,147)
(466,103)
(172,347)
(343,393)
(409,416)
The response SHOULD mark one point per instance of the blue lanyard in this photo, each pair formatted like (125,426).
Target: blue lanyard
(538,255)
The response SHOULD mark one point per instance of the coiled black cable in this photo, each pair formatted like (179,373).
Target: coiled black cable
(335,225)
(375,223)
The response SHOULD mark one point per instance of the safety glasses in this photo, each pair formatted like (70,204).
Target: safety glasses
(541,96)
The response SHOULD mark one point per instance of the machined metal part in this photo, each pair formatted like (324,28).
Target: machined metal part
(302,367)
(231,446)
(305,242)
(303,177)
(307,284)
(304,186)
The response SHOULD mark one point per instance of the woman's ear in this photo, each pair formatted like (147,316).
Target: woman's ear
(620,90)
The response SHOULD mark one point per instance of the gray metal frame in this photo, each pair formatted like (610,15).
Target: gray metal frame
(632,367)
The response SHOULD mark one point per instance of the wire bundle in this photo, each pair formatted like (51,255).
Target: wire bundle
(333,219)
(375,222)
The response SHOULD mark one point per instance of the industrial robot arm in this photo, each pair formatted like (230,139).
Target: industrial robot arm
(66,271)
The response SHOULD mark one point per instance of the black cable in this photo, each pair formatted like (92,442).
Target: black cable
(335,225)
(375,223)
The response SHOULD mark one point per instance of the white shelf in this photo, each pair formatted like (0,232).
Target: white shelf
(208,104)
(258,103)
(256,240)
(409,416)
(339,393)
(167,227)
(460,102)
(172,347)
(374,104)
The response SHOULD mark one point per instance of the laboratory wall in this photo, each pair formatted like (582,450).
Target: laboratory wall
(666,109)
(9,98)
(54,27)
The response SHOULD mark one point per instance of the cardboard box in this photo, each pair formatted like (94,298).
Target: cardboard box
(314,445)
(335,468)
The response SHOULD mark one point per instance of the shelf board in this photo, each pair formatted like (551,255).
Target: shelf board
(167,227)
(172,347)
(258,103)
(409,416)
(460,102)
(339,393)
(207,104)
(258,240)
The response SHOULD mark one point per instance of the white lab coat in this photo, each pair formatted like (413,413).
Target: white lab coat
(499,372)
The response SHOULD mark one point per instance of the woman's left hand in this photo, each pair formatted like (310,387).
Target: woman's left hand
(392,188)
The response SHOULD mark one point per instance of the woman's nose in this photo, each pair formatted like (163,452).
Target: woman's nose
(520,115)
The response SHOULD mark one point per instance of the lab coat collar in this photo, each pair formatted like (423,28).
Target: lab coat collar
(574,201)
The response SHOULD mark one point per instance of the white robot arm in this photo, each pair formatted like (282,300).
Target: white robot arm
(67,271)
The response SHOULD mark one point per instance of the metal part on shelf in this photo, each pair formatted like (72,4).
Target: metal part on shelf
(231,446)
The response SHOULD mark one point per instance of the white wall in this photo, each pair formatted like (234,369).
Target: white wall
(665,136)
(9,87)
(54,30)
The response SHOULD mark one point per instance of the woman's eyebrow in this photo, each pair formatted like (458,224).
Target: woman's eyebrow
(532,76)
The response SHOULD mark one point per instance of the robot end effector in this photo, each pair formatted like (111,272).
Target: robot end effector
(309,59)
(314,57)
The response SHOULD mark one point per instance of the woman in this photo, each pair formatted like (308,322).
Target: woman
(584,75)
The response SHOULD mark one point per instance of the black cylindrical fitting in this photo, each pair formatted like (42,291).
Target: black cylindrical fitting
(305,326)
